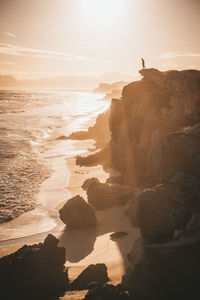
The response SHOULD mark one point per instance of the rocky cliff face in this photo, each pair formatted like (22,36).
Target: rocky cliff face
(150,124)
(155,143)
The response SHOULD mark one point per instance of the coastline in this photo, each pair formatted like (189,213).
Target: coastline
(96,245)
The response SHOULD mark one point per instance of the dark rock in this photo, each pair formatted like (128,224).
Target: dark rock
(100,157)
(169,270)
(160,212)
(152,134)
(194,223)
(92,273)
(105,195)
(180,153)
(88,182)
(131,212)
(77,213)
(136,280)
(114,179)
(193,226)
(106,292)
(34,272)
(117,234)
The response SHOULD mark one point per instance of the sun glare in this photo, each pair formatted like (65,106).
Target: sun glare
(102,12)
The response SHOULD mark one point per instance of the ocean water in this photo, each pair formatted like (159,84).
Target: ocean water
(30,123)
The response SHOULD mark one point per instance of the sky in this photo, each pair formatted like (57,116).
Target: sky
(43,38)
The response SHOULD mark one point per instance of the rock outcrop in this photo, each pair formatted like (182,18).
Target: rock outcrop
(92,273)
(34,272)
(106,195)
(99,132)
(77,213)
(155,145)
(164,270)
(101,157)
(153,128)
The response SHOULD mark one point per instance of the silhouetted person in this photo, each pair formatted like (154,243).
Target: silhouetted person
(143,63)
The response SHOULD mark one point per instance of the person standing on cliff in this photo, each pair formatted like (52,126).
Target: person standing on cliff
(143,63)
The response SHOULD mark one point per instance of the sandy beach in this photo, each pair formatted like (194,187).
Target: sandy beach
(85,246)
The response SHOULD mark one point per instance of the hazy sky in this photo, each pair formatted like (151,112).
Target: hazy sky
(92,37)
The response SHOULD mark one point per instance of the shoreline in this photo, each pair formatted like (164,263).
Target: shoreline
(97,247)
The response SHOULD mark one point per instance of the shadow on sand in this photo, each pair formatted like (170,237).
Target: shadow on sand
(80,243)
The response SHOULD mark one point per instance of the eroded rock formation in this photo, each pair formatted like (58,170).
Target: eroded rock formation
(155,145)
(152,133)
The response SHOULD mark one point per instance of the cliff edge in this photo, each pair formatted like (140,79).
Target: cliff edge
(149,124)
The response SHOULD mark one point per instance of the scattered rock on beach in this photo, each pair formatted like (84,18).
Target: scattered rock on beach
(117,234)
(106,195)
(34,272)
(92,273)
(106,292)
(77,213)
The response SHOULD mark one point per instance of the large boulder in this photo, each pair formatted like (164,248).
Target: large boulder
(92,273)
(77,213)
(106,195)
(34,272)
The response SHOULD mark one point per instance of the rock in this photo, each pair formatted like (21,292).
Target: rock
(105,195)
(117,234)
(92,273)
(99,132)
(106,292)
(169,269)
(136,280)
(114,179)
(194,224)
(160,213)
(180,153)
(131,212)
(147,148)
(100,157)
(88,182)
(34,272)
(77,213)
(178,234)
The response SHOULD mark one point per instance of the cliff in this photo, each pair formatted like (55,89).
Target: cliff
(149,125)
(155,144)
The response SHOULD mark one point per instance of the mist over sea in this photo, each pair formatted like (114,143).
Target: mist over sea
(30,123)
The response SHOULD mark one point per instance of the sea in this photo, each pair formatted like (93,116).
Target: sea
(31,122)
